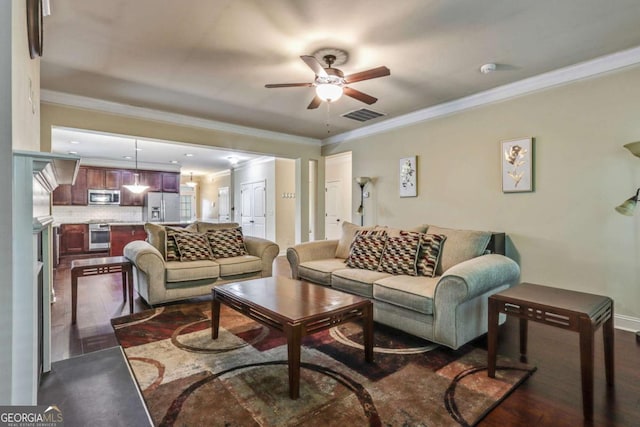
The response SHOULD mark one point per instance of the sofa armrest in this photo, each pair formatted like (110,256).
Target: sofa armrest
(461,296)
(309,251)
(145,257)
(265,249)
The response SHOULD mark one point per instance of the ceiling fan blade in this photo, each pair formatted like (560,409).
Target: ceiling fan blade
(314,64)
(315,103)
(270,86)
(366,75)
(360,96)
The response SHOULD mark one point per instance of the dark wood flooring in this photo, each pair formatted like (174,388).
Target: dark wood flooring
(550,397)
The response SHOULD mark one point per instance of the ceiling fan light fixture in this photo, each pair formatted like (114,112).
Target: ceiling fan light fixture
(329,92)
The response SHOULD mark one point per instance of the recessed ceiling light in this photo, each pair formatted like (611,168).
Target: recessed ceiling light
(73,152)
(188,155)
(74,142)
(127,157)
(173,161)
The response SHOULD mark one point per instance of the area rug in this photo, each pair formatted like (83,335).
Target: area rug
(241,379)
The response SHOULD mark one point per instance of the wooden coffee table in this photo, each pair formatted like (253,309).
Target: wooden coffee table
(296,308)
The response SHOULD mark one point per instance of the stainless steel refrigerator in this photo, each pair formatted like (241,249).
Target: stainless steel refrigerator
(161,207)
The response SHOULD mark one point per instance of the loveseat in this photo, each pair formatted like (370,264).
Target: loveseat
(175,263)
(438,290)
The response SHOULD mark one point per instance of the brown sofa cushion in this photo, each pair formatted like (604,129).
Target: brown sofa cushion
(227,242)
(366,251)
(400,254)
(193,246)
(171,247)
(157,237)
(349,231)
(429,253)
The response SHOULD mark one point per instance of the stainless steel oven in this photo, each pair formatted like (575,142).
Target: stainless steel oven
(98,237)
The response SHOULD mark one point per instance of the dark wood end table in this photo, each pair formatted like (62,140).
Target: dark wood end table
(576,311)
(96,266)
(296,308)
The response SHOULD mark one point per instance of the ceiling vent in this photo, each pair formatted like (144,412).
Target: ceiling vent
(363,115)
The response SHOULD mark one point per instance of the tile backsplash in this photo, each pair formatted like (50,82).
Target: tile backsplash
(71,214)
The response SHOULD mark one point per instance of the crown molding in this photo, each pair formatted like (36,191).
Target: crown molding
(529,85)
(77,101)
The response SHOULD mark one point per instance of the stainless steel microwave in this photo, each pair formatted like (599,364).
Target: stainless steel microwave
(104,197)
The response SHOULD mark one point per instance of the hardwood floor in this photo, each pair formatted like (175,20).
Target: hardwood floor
(550,397)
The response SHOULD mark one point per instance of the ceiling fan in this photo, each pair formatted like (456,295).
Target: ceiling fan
(331,83)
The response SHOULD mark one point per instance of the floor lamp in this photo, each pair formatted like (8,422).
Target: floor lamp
(628,206)
(362,181)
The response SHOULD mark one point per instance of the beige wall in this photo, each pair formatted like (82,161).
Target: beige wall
(25,86)
(285,206)
(566,233)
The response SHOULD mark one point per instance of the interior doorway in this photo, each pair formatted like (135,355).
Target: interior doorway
(338,191)
(224,213)
(254,208)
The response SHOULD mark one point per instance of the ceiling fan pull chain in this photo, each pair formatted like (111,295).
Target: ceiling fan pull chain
(328,117)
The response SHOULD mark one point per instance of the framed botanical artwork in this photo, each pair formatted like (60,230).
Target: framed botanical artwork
(408,177)
(517,165)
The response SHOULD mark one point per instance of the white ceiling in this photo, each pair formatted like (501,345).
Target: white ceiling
(211,58)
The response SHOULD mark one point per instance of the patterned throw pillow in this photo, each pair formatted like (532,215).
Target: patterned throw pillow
(400,254)
(366,251)
(193,246)
(226,243)
(429,255)
(171,249)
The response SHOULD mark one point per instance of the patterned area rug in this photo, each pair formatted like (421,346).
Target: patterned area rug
(241,378)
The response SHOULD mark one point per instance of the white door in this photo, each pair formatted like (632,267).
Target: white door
(333,207)
(223,204)
(253,209)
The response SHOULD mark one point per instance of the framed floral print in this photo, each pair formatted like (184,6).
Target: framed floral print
(517,165)
(408,177)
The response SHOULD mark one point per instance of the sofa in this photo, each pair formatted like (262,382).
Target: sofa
(436,289)
(176,263)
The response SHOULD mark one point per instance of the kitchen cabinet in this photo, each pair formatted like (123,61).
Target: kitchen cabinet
(127,198)
(104,179)
(167,182)
(74,239)
(62,195)
(170,182)
(153,179)
(79,194)
(122,234)
(95,179)
(112,179)
(76,194)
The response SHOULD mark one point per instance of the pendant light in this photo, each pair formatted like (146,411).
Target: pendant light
(136,187)
(191,182)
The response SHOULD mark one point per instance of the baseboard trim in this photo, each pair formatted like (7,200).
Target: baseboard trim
(626,323)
